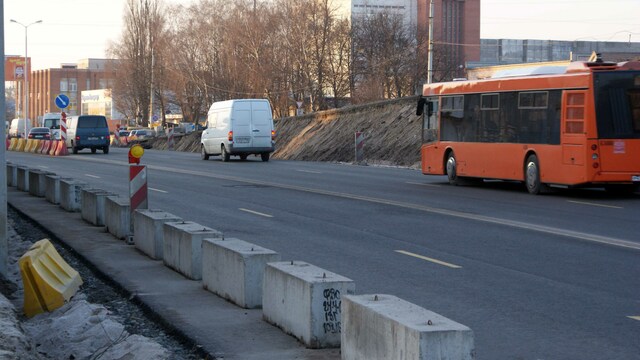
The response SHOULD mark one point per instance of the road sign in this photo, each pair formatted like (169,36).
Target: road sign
(62,101)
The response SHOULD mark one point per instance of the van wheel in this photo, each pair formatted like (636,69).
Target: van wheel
(105,149)
(224,155)
(265,156)
(203,153)
(75,150)
(94,150)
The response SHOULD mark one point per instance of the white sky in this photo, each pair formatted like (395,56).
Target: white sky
(78,29)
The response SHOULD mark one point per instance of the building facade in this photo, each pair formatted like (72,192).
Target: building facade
(514,51)
(69,79)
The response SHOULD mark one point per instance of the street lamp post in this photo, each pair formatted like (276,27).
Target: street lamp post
(26,73)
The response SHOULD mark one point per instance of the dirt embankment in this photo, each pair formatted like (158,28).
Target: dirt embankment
(392,132)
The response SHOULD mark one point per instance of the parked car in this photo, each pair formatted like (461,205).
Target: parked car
(140,134)
(40,133)
(123,134)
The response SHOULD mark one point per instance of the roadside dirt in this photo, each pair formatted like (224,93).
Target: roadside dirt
(391,129)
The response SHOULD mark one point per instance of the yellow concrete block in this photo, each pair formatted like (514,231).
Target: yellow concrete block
(21,144)
(12,144)
(48,280)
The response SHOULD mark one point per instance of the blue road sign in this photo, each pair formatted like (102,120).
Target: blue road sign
(62,101)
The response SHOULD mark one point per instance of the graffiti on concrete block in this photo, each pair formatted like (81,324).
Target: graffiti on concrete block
(331,304)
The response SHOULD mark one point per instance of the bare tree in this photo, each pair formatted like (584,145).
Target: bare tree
(143,24)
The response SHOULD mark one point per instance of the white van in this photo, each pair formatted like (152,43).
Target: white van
(238,127)
(52,121)
(17,128)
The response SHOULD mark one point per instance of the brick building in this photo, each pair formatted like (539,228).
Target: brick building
(69,79)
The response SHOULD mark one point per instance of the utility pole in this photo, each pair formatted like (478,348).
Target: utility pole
(430,56)
(26,73)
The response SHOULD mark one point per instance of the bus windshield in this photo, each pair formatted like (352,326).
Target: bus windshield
(617,98)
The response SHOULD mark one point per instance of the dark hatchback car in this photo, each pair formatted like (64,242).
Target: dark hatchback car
(40,133)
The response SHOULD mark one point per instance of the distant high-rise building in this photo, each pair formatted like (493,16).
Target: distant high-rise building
(456,28)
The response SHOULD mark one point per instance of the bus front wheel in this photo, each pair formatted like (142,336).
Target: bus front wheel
(532,176)
(451,169)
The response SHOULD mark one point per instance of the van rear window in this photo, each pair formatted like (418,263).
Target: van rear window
(92,122)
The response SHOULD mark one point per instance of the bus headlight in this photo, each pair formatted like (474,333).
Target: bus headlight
(594,156)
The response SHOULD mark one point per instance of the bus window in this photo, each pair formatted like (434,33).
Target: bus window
(617,99)
(452,115)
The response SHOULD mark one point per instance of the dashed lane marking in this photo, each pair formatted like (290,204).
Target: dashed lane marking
(92,176)
(634,317)
(158,190)
(422,184)
(435,261)
(256,213)
(595,204)
(309,171)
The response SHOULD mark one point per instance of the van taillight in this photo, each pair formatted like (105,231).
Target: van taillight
(30,136)
(77,138)
(108,137)
(230,136)
(273,135)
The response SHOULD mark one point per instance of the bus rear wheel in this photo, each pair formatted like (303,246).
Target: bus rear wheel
(532,176)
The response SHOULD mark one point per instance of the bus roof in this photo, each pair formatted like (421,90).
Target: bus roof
(574,76)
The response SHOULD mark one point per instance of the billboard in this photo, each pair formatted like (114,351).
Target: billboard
(14,68)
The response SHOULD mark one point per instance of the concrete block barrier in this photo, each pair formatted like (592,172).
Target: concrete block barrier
(12,179)
(386,327)
(148,234)
(71,194)
(35,187)
(22,178)
(183,246)
(37,179)
(234,270)
(304,301)
(92,207)
(48,280)
(118,217)
(52,188)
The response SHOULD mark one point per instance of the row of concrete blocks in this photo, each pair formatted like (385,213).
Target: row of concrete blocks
(314,305)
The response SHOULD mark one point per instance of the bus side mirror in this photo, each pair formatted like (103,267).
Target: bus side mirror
(420,108)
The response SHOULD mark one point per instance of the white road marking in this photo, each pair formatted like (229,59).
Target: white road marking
(309,171)
(435,261)
(158,190)
(595,204)
(634,317)
(422,184)
(92,176)
(256,213)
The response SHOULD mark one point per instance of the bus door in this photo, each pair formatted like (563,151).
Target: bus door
(573,128)
(431,155)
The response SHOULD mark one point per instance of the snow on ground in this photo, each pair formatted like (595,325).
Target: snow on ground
(77,330)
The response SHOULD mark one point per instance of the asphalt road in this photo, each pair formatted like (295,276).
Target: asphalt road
(535,277)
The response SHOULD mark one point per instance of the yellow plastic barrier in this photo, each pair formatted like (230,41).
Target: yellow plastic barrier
(48,280)
(21,144)
(34,145)
(12,144)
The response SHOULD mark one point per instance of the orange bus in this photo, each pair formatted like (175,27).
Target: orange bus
(570,126)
